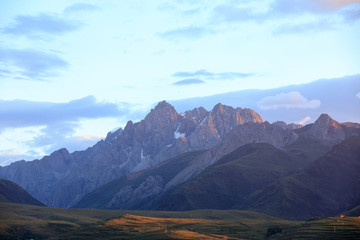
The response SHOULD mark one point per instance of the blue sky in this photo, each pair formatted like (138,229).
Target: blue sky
(70,71)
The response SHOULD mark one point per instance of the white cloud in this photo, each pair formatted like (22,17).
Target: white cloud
(358,95)
(190,32)
(44,23)
(23,113)
(288,100)
(304,120)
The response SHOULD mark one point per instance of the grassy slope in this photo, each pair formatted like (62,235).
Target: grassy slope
(100,197)
(326,187)
(225,184)
(13,193)
(355,211)
(306,150)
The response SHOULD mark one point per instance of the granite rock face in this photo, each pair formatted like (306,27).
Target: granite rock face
(329,131)
(291,126)
(152,186)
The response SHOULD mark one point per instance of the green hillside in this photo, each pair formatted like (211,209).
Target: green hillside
(238,174)
(306,150)
(327,187)
(355,211)
(13,193)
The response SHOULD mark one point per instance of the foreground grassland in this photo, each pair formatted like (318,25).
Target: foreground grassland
(19,221)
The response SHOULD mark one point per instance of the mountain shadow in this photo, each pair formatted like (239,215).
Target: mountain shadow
(225,184)
(327,187)
(12,193)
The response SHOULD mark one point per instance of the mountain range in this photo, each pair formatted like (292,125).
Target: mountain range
(338,97)
(224,158)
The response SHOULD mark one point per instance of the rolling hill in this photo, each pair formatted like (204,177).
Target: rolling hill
(327,187)
(12,193)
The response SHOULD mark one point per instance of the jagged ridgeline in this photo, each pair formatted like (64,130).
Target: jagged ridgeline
(157,163)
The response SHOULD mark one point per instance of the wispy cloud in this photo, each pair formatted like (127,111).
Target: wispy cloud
(64,135)
(231,13)
(202,75)
(190,32)
(331,13)
(29,64)
(351,15)
(304,120)
(40,25)
(310,6)
(191,11)
(81,7)
(285,16)
(358,95)
(288,100)
(310,27)
(189,81)
(22,113)
(198,73)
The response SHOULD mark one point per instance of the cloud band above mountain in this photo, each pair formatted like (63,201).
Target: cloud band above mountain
(202,75)
(288,100)
(22,113)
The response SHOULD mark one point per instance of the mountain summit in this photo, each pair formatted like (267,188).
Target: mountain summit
(328,130)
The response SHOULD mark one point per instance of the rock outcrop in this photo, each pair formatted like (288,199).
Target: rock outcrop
(153,185)
(329,131)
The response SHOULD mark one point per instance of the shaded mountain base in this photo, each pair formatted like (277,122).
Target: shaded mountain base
(13,193)
(327,187)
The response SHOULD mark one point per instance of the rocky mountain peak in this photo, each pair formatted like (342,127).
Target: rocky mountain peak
(284,125)
(196,115)
(60,153)
(162,110)
(218,108)
(327,129)
(129,125)
(163,104)
(325,121)
(112,136)
(224,109)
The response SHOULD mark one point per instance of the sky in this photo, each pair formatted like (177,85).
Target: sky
(71,71)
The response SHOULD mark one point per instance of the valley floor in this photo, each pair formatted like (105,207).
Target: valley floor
(20,221)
